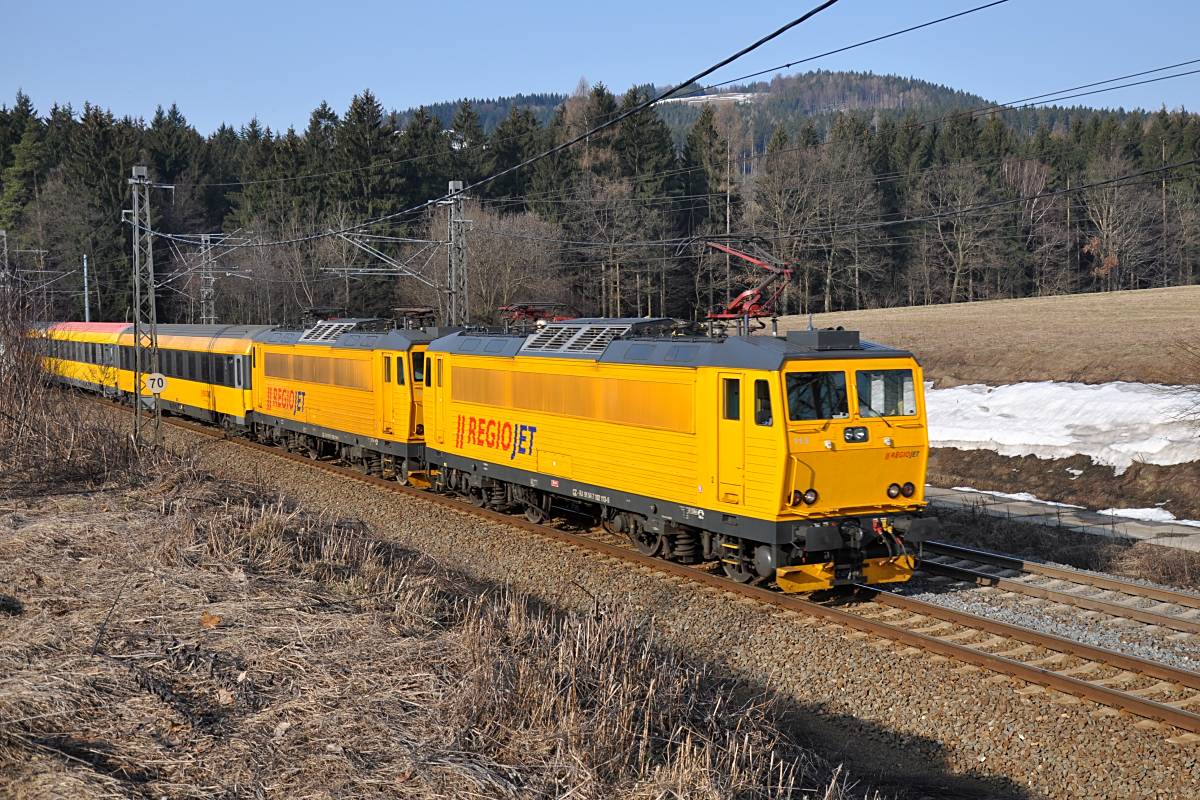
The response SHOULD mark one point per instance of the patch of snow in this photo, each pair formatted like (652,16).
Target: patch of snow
(1149,515)
(1023,496)
(1074,473)
(1114,424)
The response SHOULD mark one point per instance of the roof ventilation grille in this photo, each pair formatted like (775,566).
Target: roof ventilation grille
(585,339)
(326,331)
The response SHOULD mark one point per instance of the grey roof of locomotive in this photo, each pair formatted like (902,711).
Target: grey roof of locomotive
(618,341)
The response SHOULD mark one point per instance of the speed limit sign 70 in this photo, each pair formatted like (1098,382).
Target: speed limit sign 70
(156,382)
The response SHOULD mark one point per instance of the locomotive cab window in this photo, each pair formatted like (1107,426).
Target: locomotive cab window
(816,396)
(733,398)
(387,369)
(418,364)
(886,393)
(762,403)
(399,371)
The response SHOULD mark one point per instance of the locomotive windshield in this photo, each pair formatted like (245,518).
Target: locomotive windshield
(816,395)
(886,393)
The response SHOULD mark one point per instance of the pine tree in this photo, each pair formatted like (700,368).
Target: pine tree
(426,151)
(644,151)
(704,158)
(22,178)
(468,142)
(320,158)
(514,140)
(364,147)
(172,145)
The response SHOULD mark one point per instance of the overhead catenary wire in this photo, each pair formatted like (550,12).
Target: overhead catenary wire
(845,48)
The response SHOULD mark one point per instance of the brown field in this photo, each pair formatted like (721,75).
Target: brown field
(1092,338)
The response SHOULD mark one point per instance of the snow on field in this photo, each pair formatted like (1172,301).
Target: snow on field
(1023,496)
(1149,515)
(1113,423)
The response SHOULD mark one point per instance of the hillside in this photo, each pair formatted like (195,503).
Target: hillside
(791,101)
(1091,338)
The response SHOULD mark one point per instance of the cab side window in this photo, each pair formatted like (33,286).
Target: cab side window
(387,369)
(762,404)
(418,367)
(733,398)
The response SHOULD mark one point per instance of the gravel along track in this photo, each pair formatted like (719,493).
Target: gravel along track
(1164,627)
(923,725)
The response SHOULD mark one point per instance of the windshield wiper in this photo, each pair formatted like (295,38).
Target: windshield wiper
(862,402)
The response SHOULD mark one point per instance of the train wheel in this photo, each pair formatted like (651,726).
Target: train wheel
(738,571)
(535,514)
(402,472)
(648,543)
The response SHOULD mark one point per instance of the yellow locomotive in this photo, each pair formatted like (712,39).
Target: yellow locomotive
(798,460)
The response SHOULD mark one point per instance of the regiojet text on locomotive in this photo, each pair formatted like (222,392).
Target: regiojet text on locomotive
(511,437)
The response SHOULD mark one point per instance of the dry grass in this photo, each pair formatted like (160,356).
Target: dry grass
(197,639)
(50,441)
(1140,560)
(1092,338)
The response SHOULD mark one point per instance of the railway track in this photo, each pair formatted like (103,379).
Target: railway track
(1152,605)
(1142,688)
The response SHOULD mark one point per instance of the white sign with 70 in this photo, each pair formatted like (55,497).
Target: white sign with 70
(156,382)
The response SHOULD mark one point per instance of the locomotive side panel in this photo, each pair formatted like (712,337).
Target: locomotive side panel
(625,428)
(331,389)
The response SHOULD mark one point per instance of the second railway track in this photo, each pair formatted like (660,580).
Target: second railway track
(1140,687)
(1152,605)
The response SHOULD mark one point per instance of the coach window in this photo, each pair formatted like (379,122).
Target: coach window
(733,398)
(387,369)
(762,403)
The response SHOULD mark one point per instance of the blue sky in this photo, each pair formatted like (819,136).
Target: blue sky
(224,61)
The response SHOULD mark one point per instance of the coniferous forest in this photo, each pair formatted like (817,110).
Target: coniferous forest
(879,191)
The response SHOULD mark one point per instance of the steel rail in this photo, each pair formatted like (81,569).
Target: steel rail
(1138,706)
(1033,636)
(1067,598)
(1179,598)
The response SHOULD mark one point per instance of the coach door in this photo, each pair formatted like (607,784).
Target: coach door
(730,439)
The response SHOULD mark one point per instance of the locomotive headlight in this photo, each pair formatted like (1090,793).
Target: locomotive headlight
(908,490)
(420,429)
(810,497)
(893,491)
(797,497)
(855,434)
